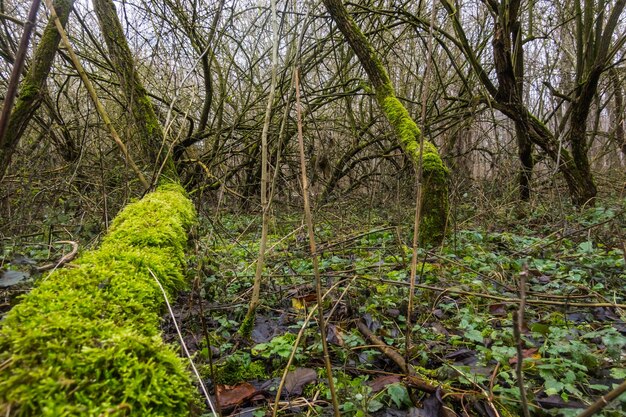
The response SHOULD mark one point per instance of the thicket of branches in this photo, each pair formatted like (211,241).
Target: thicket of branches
(526,95)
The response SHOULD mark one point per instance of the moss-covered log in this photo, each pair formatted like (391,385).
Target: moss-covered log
(434,173)
(86,341)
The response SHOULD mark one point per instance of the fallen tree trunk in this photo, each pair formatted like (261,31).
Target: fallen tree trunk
(86,341)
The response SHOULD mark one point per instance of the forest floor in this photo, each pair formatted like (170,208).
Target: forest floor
(463,347)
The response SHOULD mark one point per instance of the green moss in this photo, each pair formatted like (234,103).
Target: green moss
(245,330)
(86,341)
(28,91)
(434,173)
(236,370)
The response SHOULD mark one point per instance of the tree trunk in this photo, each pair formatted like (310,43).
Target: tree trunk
(31,90)
(434,173)
(524,150)
(618,111)
(142,111)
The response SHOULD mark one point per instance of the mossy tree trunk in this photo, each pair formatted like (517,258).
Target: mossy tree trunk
(618,111)
(141,108)
(31,91)
(434,173)
(596,44)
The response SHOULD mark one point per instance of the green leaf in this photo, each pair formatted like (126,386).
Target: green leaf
(552,386)
(618,373)
(398,394)
(586,247)
(374,405)
(474,335)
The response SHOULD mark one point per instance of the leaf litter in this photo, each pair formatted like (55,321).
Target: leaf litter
(463,347)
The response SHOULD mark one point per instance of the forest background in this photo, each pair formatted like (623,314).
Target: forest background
(522,100)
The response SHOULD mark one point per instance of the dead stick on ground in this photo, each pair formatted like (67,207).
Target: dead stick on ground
(413,379)
(604,400)
(495,297)
(64,259)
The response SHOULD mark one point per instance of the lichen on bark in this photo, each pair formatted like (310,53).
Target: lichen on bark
(30,97)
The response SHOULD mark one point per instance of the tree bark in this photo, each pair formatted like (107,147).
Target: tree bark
(593,54)
(618,111)
(148,127)
(434,173)
(31,89)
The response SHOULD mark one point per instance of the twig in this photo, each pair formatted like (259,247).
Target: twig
(64,259)
(412,379)
(314,254)
(518,322)
(94,96)
(327,246)
(488,396)
(294,349)
(205,332)
(604,400)
(495,297)
(391,354)
(539,244)
(18,66)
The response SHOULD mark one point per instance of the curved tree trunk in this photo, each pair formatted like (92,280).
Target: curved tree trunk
(595,47)
(142,111)
(618,112)
(31,89)
(434,173)
(525,153)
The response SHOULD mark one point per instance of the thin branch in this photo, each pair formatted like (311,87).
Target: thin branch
(184,345)
(604,400)
(18,66)
(314,255)
(518,322)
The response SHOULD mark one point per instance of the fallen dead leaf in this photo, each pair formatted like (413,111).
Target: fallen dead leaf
(526,353)
(297,379)
(231,396)
(378,384)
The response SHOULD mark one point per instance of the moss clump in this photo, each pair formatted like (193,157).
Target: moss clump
(86,341)
(235,370)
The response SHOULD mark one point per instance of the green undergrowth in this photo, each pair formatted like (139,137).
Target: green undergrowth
(574,341)
(86,340)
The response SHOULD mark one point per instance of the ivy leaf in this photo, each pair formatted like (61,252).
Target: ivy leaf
(618,373)
(552,386)
(374,405)
(474,335)
(586,247)
(398,394)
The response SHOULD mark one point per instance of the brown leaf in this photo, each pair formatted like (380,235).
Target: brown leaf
(333,335)
(297,379)
(379,384)
(526,353)
(497,309)
(231,396)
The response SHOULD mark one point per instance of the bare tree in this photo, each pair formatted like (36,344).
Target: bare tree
(422,153)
